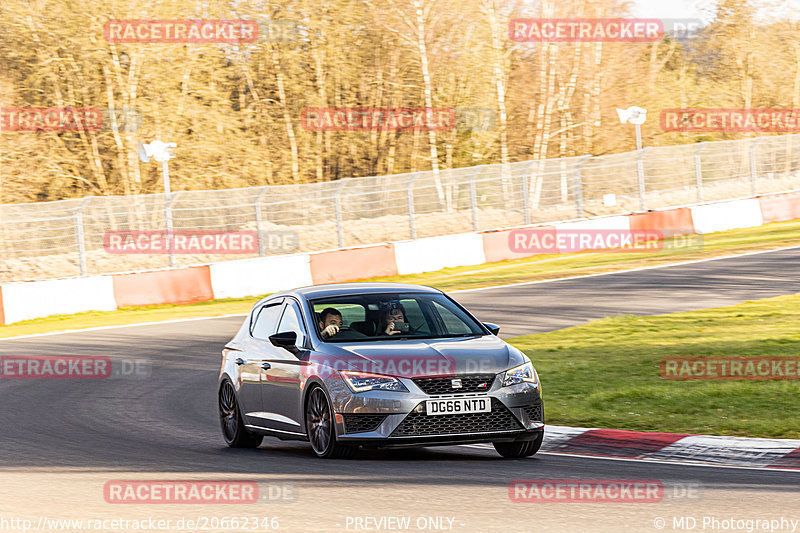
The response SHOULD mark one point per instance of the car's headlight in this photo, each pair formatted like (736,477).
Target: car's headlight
(524,373)
(362,382)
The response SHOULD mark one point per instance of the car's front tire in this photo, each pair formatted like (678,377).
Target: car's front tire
(230,418)
(516,450)
(320,427)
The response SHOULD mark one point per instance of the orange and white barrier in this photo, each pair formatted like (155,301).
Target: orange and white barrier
(724,216)
(33,299)
(435,253)
(253,277)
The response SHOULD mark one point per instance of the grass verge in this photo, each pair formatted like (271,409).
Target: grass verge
(770,236)
(606,373)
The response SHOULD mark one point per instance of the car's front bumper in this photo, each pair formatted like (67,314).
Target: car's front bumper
(379,418)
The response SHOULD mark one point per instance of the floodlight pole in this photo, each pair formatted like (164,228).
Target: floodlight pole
(165,173)
(638,136)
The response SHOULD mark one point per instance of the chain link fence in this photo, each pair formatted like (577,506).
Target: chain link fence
(65,238)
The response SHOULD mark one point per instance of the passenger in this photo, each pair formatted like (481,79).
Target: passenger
(395,314)
(330,322)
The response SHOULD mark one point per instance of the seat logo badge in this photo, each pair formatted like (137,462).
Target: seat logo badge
(455,383)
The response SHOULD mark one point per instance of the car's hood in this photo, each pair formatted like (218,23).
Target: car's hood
(424,357)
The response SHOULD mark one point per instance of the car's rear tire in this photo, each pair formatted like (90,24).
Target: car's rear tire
(320,427)
(230,418)
(516,450)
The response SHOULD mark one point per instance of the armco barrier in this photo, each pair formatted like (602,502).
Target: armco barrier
(35,299)
(179,286)
(723,216)
(436,253)
(670,222)
(780,207)
(253,277)
(353,263)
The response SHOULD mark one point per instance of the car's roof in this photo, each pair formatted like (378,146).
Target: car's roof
(343,289)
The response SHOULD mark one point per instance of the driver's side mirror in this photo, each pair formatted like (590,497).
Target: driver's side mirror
(494,329)
(285,339)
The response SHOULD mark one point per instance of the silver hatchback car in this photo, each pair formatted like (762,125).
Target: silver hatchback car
(376,365)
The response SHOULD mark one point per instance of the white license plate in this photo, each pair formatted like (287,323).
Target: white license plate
(458,406)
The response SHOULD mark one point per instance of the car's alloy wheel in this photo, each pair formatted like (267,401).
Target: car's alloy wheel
(230,418)
(320,428)
(513,450)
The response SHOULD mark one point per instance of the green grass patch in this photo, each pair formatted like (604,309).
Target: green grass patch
(606,373)
(770,236)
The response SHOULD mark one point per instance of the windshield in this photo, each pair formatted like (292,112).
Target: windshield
(370,317)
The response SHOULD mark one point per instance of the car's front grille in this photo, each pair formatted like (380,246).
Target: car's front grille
(476,383)
(360,423)
(419,424)
(534,412)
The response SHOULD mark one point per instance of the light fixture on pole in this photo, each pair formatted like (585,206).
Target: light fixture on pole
(636,116)
(161,152)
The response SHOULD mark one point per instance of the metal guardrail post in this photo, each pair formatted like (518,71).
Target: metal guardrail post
(410,202)
(258,220)
(473,199)
(579,185)
(168,218)
(698,172)
(753,168)
(79,235)
(640,177)
(337,204)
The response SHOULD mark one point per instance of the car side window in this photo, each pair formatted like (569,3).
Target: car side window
(291,321)
(266,321)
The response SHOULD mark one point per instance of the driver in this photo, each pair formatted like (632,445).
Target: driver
(330,322)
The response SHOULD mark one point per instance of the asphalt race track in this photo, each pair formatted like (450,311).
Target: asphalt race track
(538,307)
(62,440)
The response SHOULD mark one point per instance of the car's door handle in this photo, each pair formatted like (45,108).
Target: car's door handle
(266,366)
(239,361)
